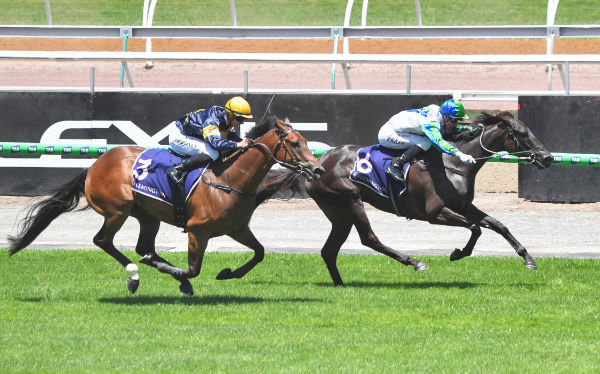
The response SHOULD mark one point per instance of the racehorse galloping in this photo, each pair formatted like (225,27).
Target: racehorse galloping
(440,190)
(222,205)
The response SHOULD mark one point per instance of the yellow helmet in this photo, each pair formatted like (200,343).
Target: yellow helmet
(238,106)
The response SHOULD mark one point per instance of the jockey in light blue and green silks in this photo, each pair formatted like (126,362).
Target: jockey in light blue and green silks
(414,130)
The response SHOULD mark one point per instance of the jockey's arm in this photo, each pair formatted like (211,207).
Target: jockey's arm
(432,131)
(233,135)
(212,136)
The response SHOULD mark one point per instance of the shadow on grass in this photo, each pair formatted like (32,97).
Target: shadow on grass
(407,285)
(391,285)
(200,300)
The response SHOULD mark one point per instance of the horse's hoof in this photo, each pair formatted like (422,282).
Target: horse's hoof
(456,255)
(186,289)
(531,265)
(146,260)
(132,285)
(224,274)
(420,266)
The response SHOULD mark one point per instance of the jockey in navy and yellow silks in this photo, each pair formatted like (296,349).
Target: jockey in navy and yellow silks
(211,126)
(415,130)
(204,133)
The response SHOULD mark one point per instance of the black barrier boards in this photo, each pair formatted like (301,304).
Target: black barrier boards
(136,117)
(566,124)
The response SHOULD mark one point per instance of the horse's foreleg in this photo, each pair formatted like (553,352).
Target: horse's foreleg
(475,218)
(449,217)
(457,254)
(493,224)
(244,236)
(104,239)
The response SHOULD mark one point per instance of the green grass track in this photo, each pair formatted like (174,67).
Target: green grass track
(69,311)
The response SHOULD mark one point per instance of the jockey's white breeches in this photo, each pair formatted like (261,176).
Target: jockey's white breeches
(389,138)
(189,145)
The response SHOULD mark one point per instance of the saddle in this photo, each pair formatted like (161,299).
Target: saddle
(150,179)
(370,171)
(179,191)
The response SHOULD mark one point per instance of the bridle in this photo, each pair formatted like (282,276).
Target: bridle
(511,133)
(293,165)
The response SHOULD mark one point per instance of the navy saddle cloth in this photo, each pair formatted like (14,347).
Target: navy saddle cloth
(150,177)
(369,169)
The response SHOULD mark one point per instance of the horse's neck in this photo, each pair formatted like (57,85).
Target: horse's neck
(248,170)
(463,175)
(474,148)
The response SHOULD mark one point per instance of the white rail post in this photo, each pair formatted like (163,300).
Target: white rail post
(363,18)
(335,34)
(550,15)
(564,70)
(233,13)
(346,48)
(418,10)
(148,16)
(48,12)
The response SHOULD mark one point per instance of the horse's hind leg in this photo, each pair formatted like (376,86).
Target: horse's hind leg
(343,215)
(244,236)
(197,242)
(338,235)
(146,244)
(104,239)
(369,239)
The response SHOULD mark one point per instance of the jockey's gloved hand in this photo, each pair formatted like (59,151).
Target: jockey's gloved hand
(467,159)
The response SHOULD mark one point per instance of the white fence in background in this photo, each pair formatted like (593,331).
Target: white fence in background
(550,32)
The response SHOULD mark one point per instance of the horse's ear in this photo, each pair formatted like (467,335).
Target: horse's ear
(508,120)
(287,121)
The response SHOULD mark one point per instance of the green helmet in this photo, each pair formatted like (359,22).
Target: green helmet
(453,109)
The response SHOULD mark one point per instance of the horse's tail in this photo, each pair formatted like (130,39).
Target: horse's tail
(40,215)
(285,182)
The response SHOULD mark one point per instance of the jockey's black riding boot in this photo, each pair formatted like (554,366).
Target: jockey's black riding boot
(395,169)
(177,172)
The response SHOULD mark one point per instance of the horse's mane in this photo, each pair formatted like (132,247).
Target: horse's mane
(482,121)
(261,129)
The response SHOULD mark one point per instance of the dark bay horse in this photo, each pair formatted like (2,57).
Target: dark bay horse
(222,205)
(440,190)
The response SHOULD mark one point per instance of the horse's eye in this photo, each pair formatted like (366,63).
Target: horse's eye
(295,144)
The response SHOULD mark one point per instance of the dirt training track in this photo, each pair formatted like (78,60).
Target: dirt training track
(299,226)
(544,229)
(316,76)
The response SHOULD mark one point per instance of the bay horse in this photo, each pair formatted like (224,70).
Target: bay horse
(222,205)
(440,190)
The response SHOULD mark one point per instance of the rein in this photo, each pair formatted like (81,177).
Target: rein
(514,139)
(295,166)
(226,188)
